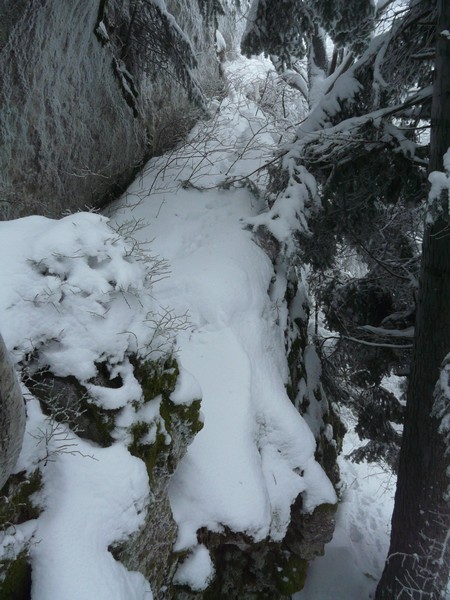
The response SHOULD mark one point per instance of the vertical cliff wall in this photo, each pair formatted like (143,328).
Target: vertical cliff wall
(85,95)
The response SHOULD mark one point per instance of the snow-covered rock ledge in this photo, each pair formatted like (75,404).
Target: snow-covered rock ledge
(140,490)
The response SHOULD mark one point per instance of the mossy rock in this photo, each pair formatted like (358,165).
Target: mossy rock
(150,550)
(16,582)
(290,574)
(156,377)
(180,421)
(307,534)
(67,401)
(245,569)
(16,503)
(154,455)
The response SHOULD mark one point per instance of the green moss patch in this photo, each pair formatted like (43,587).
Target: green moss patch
(178,423)
(290,574)
(16,583)
(156,377)
(16,504)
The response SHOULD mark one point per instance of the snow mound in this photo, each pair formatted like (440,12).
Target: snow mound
(255,453)
(196,571)
(92,498)
(75,293)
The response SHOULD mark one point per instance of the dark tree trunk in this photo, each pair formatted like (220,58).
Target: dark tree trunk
(417,566)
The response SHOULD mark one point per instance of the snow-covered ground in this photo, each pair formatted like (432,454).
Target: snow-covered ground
(76,292)
(243,469)
(354,559)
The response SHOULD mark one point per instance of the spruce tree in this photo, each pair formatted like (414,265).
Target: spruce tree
(360,156)
(418,562)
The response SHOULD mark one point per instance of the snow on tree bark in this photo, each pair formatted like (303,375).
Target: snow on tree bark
(419,557)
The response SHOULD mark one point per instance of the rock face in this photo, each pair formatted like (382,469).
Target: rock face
(150,551)
(245,570)
(12,416)
(88,92)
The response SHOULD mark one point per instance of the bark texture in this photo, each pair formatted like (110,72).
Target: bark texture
(418,563)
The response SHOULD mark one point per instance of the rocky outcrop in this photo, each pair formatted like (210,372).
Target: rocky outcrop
(265,570)
(12,415)
(269,570)
(89,91)
(150,551)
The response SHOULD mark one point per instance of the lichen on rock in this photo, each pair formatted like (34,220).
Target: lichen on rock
(17,506)
(150,550)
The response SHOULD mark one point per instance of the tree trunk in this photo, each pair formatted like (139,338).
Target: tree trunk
(418,562)
(12,415)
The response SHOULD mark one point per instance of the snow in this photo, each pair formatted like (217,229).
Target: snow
(408,332)
(90,503)
(102,31)
(187,388)
(85,290)
(444,378)
(221,44)
(441,411)
(16,538)
(196,571)
(354,559)
(92,498)
(73,287)
(440,182)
